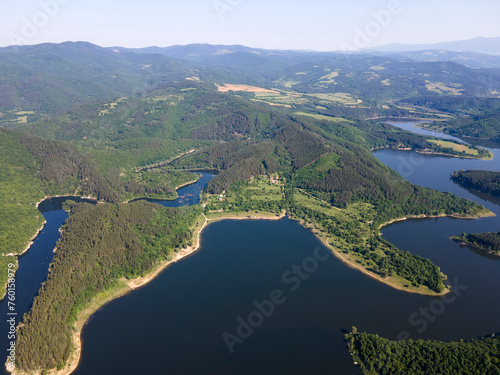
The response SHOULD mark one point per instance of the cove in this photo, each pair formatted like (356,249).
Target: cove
(34,264)
(175,324)
(188,195)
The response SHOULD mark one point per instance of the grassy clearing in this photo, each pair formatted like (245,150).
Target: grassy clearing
(339,98)
(318,169)
(258,191)
(354,238)
(456,147)
(442,88)
(245,88)
(329,78)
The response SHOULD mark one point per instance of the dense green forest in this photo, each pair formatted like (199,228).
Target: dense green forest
(485,126)
(484,241)
(20,190)
(138,124)
(32,168)
(99,245)
(486,181)
(377,355)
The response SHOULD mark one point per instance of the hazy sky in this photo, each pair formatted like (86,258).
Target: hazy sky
(293,24)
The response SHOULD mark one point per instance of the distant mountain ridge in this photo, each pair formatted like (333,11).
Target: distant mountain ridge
(490,46)
(48,78)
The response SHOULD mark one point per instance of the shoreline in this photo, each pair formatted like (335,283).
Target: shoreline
(33,238)
(423,216)
(47,197)
(456,156)
(490,157)
(348,262)
(164,199)
(472,246)
(126,286)
(122,288)
(352,264)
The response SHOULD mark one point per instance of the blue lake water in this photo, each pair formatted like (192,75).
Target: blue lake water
(177,323)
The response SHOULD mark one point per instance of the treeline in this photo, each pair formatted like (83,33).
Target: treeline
(65,169)
(377,355)
(238,160)
(485,181)
(485,241)
(379,256)
(287,145)
(99,245)
(20,189)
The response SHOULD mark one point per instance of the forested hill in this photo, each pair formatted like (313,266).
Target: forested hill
(100,244)
(32,168)
(485,181)
(485,126)
(47,78)
(363,74)
(377,355)
(39,81)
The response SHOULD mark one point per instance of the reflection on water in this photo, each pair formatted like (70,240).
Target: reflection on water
(186,196)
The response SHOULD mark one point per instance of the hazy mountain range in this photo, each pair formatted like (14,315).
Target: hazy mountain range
(490,46)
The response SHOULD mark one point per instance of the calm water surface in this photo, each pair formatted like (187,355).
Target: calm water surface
(175,324)
(34,264)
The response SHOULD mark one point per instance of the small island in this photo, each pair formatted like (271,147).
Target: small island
(489,242)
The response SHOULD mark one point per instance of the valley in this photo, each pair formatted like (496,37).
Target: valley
(291,141)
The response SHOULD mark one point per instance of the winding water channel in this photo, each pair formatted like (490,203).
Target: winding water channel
(177,324)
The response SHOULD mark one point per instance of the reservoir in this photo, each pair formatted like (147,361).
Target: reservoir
(34,264)
(179,322)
